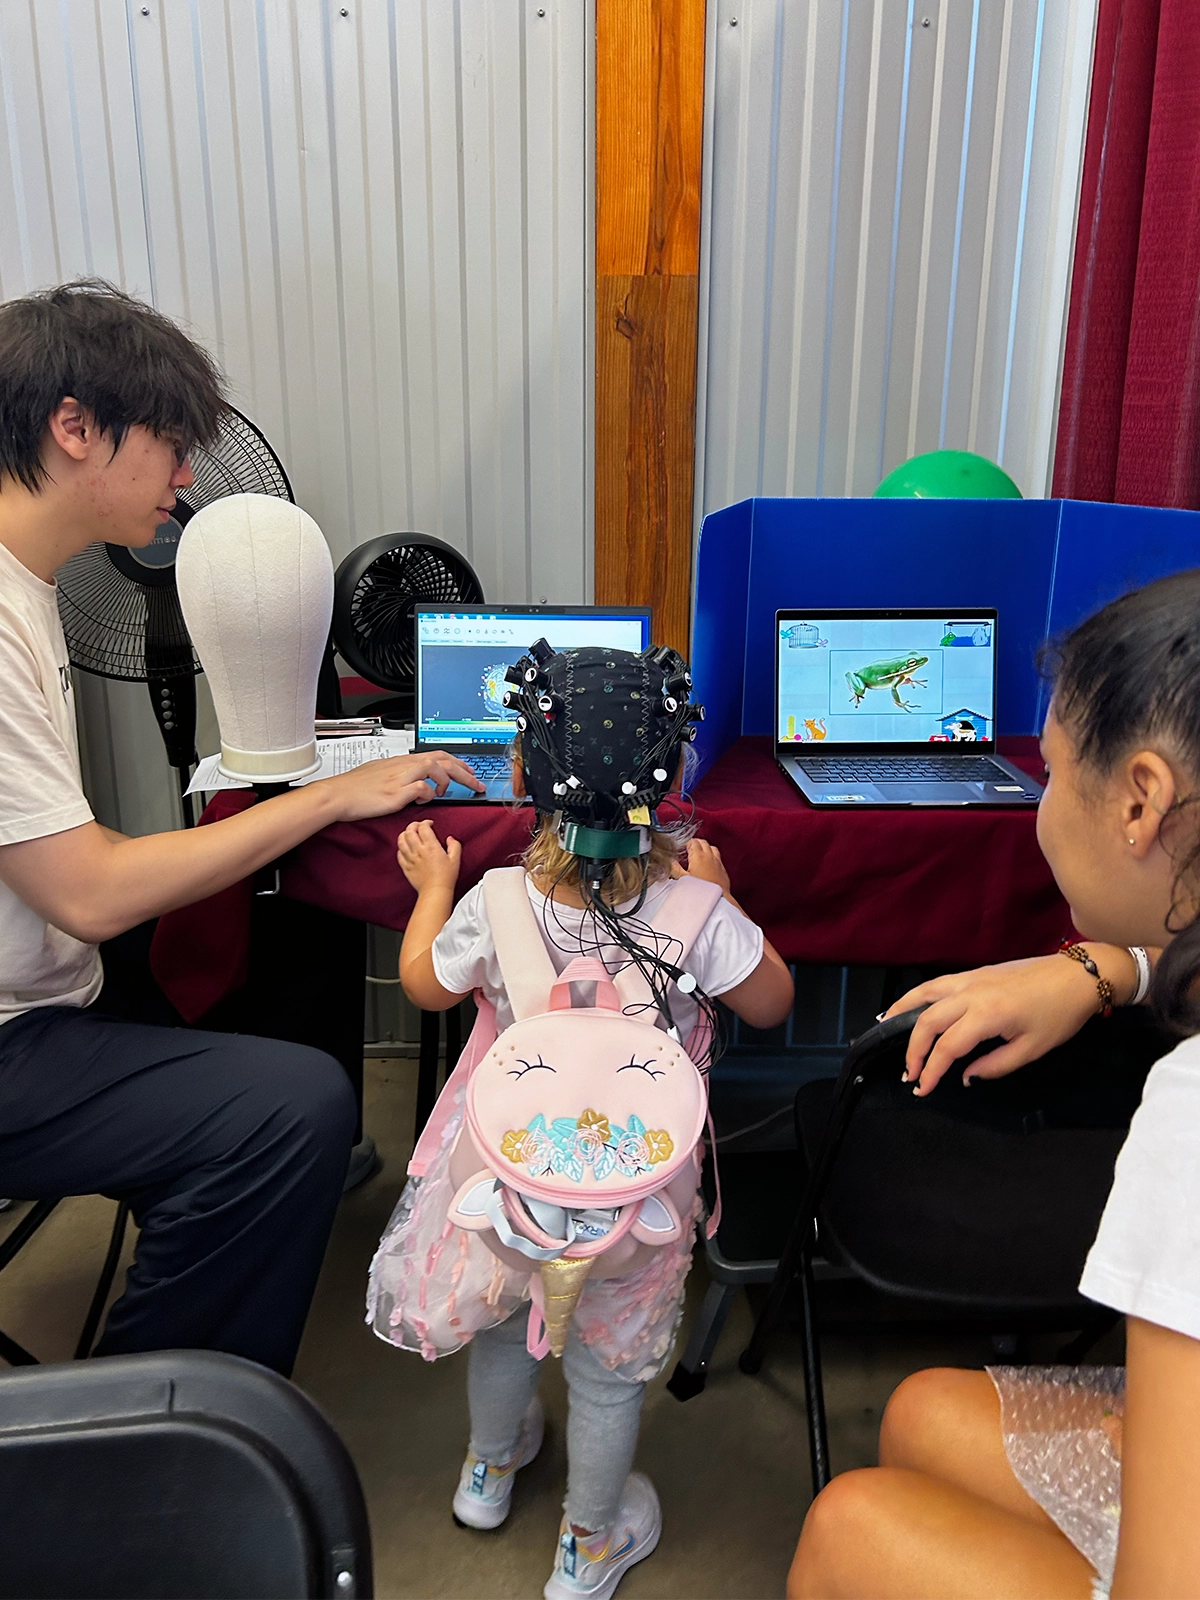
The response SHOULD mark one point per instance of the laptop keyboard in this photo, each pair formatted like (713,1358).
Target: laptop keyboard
(891,769)
(487,768)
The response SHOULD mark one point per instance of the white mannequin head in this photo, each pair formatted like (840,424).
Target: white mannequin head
(256,587)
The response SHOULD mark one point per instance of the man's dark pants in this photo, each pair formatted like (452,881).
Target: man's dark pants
(230,1149)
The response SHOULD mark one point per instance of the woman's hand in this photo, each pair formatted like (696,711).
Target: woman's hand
(1032,1005)
(423,860)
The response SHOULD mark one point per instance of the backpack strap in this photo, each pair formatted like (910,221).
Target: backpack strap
(434,1134)
(681,915)
(525,964)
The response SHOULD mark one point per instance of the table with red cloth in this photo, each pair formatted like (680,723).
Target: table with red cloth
(957,886)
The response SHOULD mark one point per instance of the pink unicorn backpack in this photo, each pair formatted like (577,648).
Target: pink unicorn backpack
(579,1151)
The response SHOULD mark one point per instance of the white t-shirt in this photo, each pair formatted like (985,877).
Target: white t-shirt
(41,791)
(1146,1258)
(725,952)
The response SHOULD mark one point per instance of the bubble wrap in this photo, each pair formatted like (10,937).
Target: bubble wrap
(1062,1436)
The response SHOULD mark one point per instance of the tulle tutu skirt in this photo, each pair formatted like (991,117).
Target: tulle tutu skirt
(433,1285)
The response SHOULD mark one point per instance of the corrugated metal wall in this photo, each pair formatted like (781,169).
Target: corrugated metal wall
(378,215)
(890,212)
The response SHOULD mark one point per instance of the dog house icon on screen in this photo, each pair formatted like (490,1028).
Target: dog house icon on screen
(964,726)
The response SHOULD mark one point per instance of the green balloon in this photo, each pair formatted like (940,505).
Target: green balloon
(948,475)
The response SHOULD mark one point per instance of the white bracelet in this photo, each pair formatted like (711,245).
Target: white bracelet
(1142,962)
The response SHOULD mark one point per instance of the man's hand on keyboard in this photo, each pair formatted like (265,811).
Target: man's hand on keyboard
(378,788)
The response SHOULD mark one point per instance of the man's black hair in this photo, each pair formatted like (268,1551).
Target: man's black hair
(123,362)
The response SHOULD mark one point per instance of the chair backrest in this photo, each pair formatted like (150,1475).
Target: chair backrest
(174,1474)
(984,1198)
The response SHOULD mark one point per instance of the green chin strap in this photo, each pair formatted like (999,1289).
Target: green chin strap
(600,844)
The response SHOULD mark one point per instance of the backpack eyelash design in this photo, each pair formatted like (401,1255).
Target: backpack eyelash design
(531,1066)
(642,1066)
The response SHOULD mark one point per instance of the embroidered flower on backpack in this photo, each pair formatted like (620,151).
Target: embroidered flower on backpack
(633,1153)
(596,1124)
(514,1144)
(570,1146)
(661,1145)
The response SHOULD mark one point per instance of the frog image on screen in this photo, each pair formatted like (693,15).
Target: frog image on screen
(889,674)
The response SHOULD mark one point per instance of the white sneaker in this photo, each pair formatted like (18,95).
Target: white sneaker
(593,1567)
(484,1493)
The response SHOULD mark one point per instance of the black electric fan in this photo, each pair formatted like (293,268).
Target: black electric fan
(120,608)
(376,590)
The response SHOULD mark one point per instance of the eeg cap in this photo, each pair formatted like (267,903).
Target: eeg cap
(601,733)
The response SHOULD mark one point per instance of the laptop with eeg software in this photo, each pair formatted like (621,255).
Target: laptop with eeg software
(892,708)
(462,656)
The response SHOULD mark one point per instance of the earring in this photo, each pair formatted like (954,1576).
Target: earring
(1133,841)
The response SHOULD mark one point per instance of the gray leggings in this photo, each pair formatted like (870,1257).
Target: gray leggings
(602,1428)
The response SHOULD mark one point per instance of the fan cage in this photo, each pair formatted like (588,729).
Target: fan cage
(382,636)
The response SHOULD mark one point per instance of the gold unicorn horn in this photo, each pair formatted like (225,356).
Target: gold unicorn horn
(562,1284)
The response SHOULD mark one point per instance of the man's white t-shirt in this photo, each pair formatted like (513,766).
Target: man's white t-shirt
(41,791)
(725,952)
(1146,1258)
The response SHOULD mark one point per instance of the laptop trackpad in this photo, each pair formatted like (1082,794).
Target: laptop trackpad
(930,794)
(497,789)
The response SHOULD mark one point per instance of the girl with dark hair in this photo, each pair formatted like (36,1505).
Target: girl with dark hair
(1072,1481)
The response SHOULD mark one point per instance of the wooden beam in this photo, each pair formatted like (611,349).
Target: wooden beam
(649,123)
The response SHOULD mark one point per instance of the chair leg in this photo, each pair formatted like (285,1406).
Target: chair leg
(427,1069)
(15,1354)
(818,1432)
(107,1273)
(25,1230)
(691,1370)
(1074,1352)
(751,1359)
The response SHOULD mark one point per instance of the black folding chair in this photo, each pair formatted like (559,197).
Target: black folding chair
(977,1203)
(173,1475)
(16,1240)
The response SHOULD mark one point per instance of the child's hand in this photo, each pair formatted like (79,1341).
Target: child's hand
(424,862)
(704,861)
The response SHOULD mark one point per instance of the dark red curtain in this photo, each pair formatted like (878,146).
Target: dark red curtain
(1129,419)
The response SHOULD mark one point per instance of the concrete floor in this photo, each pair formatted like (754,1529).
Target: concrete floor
(730,1466)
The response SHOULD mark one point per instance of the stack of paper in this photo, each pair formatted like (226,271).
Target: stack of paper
(337,755)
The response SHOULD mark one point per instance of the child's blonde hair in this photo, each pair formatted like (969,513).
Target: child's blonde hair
(550,865)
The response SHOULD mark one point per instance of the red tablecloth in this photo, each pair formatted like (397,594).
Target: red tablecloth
(959,887)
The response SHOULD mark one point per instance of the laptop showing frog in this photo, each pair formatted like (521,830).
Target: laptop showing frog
(462,656)
(892,708)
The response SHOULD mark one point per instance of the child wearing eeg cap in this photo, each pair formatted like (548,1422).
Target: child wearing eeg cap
(600,745)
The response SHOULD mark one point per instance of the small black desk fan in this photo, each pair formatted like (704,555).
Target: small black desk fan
(119,607)
(375,593)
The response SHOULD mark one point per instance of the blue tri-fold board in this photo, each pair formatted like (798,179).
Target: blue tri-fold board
(1043,564)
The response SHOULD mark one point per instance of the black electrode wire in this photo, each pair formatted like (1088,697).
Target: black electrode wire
(755,1127)
(602,925)
(645,948)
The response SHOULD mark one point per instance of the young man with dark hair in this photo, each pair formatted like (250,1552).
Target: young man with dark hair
(231,1150)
